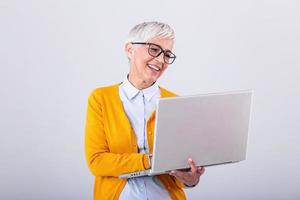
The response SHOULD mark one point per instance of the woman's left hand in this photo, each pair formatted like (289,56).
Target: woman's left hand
(191,177)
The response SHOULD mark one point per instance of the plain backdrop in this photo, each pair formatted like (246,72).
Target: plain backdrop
(53,53)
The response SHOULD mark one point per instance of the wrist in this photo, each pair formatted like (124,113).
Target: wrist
(146,161)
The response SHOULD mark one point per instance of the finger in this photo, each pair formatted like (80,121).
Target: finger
(192,165)
(185,175)
(200,170)
(176,173)
(179,175)
(182,175)
(187,178)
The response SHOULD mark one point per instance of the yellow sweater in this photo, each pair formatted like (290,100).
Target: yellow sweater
(111,147)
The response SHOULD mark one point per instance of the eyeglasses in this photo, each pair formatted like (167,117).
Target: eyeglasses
(155,51)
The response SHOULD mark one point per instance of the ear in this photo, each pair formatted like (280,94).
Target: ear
(129,50)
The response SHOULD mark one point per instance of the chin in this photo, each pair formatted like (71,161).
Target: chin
(149,81)
(153,78)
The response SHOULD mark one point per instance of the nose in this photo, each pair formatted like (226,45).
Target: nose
(160,58)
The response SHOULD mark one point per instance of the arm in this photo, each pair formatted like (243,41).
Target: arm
(100,160)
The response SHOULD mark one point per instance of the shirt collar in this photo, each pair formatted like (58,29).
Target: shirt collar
(151,91)
(132,91)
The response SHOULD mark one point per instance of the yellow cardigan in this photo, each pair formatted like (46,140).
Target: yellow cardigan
(111,147)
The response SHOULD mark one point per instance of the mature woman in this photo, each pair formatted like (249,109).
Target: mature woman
(120,123)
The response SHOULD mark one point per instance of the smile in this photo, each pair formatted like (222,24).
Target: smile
(154,67)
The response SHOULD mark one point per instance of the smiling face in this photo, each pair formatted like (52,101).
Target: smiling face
(144,68)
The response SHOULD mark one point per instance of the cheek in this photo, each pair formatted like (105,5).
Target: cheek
(147,58)
(142,63)
(165,68)
(142,59)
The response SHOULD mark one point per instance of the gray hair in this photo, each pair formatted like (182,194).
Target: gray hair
(145,31)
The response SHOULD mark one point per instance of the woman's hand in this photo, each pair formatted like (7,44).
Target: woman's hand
(191,177)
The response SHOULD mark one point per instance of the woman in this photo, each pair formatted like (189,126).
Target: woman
(120,123)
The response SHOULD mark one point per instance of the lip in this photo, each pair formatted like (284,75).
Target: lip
(154,67)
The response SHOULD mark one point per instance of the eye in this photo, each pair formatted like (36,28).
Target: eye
(169,54)
(154,49)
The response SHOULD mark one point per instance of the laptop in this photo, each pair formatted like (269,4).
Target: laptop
(212,129)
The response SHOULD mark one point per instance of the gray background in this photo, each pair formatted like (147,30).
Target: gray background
(53,53)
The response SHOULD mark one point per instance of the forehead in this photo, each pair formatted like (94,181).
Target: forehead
(165,43)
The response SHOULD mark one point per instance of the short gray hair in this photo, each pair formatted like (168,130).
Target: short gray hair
(147,30)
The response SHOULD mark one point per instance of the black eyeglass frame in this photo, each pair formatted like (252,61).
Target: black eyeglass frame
(162,51)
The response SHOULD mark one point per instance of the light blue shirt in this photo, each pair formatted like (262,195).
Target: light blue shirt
(138,105)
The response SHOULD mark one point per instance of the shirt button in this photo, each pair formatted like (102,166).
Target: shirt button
(149,132)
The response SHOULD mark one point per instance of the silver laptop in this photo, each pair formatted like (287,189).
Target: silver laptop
(212,129)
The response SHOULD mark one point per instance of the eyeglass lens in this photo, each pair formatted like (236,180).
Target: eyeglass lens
(155,50)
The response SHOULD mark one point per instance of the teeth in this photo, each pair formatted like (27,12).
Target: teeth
(154,67)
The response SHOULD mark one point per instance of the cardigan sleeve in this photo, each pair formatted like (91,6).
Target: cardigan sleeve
(100,160)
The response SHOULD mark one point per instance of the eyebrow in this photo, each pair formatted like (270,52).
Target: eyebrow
(157,45)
